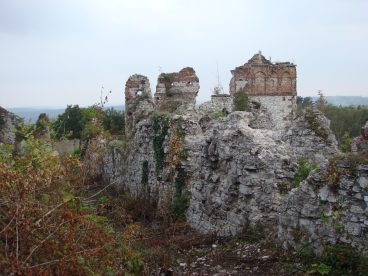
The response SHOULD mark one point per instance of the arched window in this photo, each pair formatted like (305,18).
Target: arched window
(286,82)
(259,82)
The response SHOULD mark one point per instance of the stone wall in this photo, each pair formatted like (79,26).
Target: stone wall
(269,112)
(65,147)
(222,102)
(134,167)
(235,174)
(245,174)
(138,101)
(177,91)
(280,109)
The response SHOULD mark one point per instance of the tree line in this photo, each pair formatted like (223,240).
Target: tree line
(75,123)
(346,122)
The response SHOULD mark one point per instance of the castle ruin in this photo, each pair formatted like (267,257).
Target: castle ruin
(238,169)
(273,85)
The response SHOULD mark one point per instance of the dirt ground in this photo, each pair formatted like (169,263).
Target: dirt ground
(179,250)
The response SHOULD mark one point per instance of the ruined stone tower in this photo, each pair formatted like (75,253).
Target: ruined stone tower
(138,101)
(177,91)
(273,85)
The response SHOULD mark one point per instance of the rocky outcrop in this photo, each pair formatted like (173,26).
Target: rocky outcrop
(310,136)
(360,143)
(236,175)
(6,128)
(330,206)
(240,175)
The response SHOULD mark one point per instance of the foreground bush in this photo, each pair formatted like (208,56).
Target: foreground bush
(46,227)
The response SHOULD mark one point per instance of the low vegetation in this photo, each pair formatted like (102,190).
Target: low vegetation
(303,171)
(47,226)
(241,100)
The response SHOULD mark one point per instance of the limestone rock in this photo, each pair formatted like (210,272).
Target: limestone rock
(6,128)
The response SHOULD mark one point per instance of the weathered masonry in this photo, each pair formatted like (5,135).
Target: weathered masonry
(177,91)
(273,85)
(138,100)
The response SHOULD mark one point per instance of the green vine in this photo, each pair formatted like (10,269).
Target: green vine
(160,127)
(184,154)
(180,201)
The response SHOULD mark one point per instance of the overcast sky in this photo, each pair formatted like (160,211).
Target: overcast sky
(54,53)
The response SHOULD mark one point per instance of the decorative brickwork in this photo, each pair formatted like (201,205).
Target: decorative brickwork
(260,77)
(176,91)
(273,85)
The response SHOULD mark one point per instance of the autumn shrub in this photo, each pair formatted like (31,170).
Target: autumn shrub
(46,226)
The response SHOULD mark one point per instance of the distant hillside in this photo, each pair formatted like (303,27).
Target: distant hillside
(345,100)
(33,113)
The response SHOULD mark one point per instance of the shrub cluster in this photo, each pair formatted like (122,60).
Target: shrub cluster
(46,226)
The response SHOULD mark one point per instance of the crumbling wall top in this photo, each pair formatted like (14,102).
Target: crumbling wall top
(261,77)
(177,89)
(136,85)
(138,101)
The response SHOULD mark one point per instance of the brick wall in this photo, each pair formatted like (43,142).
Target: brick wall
(260,77)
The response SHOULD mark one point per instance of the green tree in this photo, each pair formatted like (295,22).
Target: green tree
(17,123)
(42,126)
(321,101)
(346,123)
(241,100)
(69,124)
(308,102)
(92,119)
(114,121)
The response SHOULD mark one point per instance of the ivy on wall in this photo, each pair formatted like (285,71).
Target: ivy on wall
(160,127)
(180,202)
